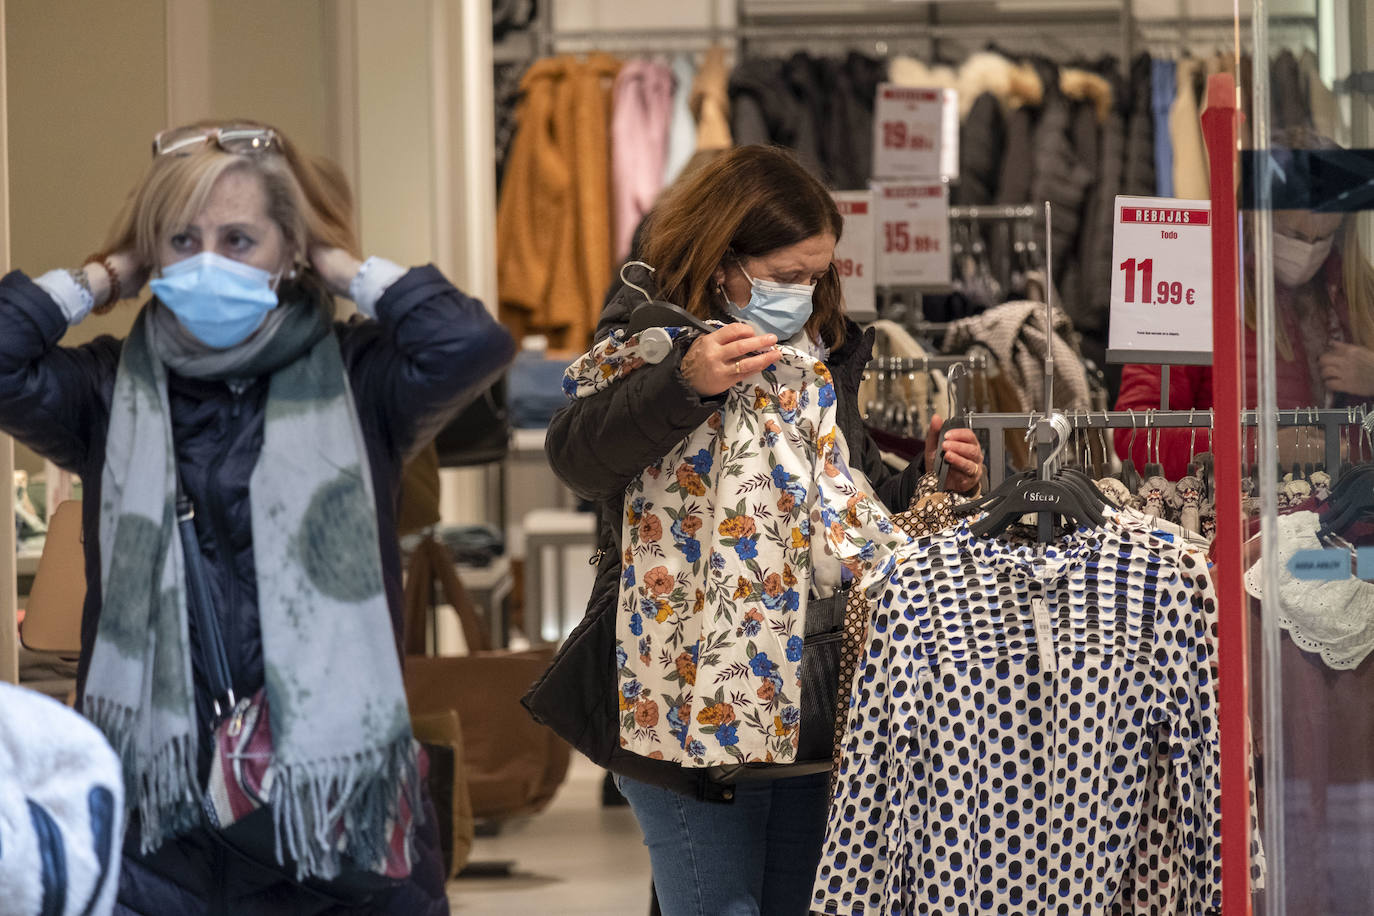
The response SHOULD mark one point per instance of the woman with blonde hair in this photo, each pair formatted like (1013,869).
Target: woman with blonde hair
(286,433)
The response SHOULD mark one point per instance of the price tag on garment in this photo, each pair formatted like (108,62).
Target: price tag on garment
(915,132)
(912,234)
(1364,563)
(1161,299)
(855,253)
(1330,565)
(1044,634)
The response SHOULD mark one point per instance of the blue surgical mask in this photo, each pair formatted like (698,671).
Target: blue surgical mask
(781,309)
(219,300)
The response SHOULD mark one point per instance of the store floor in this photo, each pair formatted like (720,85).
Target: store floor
(576,857)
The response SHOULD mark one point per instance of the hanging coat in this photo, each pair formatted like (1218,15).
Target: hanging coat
(710,102)
(1015,176)
(553,223)
(846,137)
(1185,132)
(764,109)
(642,107)
(1138,170)
(1057,175)
(1095,242)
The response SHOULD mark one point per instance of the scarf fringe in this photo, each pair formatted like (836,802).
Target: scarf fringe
(326,809)
(160,787)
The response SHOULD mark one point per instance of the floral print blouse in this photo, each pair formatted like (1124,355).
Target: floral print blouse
(720,541)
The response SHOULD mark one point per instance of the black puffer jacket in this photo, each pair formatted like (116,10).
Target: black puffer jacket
(1138,173)
(430,351)
(981,138)
(597,445)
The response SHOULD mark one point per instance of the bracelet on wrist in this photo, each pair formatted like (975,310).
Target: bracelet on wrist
(114,294)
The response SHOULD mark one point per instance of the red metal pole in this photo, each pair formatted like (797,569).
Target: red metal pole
(1220,123)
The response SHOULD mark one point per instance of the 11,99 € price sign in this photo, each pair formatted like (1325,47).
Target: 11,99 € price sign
(912,234)
(1161,305)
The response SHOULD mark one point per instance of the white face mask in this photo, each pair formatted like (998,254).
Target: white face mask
(1296,261)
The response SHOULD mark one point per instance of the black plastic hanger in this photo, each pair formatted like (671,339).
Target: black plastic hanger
(1054,496)
(656,313)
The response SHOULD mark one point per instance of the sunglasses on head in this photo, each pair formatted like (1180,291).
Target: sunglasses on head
(182,141)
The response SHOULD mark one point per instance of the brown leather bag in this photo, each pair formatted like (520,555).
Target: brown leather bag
(513,765)
(442,737)
(52,616)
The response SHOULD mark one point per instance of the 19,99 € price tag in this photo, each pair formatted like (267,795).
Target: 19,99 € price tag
(1161,302)
(912,234)
(915,132)
(855,252)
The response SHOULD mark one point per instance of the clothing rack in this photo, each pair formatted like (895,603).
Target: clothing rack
(992,212)
(973,362)
(1330,420)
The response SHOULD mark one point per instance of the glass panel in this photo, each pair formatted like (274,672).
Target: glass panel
(1309,309)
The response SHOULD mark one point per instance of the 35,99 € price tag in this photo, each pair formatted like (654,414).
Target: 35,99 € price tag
(1161,305)
(854,254)
(912,234)
(915,132)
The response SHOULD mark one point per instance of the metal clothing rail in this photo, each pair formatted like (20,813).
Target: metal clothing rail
(974,362)
(1330,420)
(993,211)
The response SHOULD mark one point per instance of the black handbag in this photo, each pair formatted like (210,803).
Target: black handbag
(236,812)
(480,434)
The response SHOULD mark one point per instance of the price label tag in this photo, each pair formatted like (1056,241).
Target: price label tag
(1161,303)
(915,132)
(855,253)
(912,234)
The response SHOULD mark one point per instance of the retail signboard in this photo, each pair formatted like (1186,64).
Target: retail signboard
(855,253)
(915,132)
(1161,297)
(912,233)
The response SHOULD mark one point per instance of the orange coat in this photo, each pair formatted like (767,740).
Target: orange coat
(553,224)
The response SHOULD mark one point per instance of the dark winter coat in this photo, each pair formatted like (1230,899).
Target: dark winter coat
(764,109)
(981,140)
(1095,242)
(1014,175)
(1059,176)
(598,445)
(430,351)
(1138,173)
(846,136)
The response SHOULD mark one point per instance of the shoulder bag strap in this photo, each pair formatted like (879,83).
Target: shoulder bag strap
(206,639)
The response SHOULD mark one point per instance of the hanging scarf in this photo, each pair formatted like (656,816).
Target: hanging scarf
(724,539)
(343,752)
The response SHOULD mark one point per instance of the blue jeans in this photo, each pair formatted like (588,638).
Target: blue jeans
(755,857)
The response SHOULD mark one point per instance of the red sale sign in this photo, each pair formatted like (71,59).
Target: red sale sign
(1161,298)
(915,132)
(855,253)
(912,224)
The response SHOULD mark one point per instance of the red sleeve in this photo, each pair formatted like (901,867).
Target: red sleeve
(1189,387)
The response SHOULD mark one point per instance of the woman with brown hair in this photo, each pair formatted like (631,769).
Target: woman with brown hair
(286,432)
(748,240)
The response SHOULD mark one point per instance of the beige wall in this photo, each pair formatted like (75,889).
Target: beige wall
(87,87)
(282,75)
